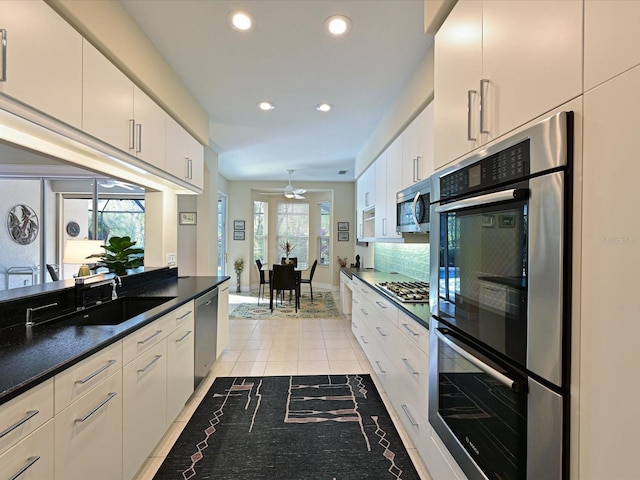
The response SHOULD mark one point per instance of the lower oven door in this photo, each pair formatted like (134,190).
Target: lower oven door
(496,422)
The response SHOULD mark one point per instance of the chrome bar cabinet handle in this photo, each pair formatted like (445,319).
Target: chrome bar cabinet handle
(142,342)
(189,332)
(96,408)
(406,326)
(470,93)
(3,39)
(150,364)
(409,367)
(405,409)
(100,370)
(132,134)
(30,462)
(484,82)
(30,414)
(138,139)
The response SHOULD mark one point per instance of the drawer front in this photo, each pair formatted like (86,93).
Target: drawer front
(413,366)
(24,414)
(385,307)
(88,434)
(181,315)
(416,333)
(74,382)
(32,458)
(145,338)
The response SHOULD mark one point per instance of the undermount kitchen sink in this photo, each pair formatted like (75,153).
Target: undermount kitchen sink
(113,312)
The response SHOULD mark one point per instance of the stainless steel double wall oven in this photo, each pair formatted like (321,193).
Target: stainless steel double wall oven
(500,253)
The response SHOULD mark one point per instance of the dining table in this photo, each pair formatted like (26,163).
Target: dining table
(298,269)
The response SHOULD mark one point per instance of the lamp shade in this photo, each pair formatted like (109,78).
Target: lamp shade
(77,251)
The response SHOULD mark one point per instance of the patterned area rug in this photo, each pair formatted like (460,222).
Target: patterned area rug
(332,427)
(323,306)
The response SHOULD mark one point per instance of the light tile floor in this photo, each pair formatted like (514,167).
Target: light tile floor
(280,347)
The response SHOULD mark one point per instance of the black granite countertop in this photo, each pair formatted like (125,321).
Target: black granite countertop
(29,358)
(418,311)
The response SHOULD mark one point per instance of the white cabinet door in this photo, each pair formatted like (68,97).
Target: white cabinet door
(394,185)
(43,61)
(611,39)
(458,70)
(32,458)
(107,101)
(417,148)
(180,355)
(185,156)
(380,189)
(532,65)
(495,71)
(365,201)
(88,434)
(144,406)
(150,130)
(222,339)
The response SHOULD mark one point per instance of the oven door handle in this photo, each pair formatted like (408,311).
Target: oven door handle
(489,370)
(503,196)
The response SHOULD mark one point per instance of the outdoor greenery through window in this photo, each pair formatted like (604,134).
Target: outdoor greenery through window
(292,225)
(119,218)
(260,231)
(324,237)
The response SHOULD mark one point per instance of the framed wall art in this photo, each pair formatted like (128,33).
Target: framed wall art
(238,225)
(343,226)
(238,234)
(188,218)
(343,236)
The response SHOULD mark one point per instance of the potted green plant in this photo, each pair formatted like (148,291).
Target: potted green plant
(120,255)
(238,266)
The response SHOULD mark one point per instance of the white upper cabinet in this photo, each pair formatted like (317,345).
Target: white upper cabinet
(611,38)
(42,63)
(394,182)
(107,107)
(458,70)
(417,149)
(149,138)
(381,220)
(500,64)
(185,156)
(365,202)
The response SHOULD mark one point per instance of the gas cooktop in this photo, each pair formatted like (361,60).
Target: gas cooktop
(406,292)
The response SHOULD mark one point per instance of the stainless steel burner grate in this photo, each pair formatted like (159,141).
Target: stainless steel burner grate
(407,292)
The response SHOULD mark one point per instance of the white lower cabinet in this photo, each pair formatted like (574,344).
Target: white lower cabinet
(144,406)
(31,458)
(88,434)
(397,348)
(180,368)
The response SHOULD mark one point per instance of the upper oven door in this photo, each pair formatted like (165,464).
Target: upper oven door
(500,271)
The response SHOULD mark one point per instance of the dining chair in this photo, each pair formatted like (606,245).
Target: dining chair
(284,277)
(263,280)
(310,279)
(53,271)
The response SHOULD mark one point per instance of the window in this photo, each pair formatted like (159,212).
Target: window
(119,218)
(260,231)
(292,225)
(324,234)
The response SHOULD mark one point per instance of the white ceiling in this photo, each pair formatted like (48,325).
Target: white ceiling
(290,60)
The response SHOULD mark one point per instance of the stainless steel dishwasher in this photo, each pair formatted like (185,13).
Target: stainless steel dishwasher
(206,334)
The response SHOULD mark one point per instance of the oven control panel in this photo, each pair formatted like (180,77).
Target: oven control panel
(509,165)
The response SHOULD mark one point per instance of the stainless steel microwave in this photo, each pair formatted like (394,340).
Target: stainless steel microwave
(412,208)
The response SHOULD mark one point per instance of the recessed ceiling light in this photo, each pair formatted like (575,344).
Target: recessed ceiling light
(324,107)
(266,105)
(338,24)
(241,21)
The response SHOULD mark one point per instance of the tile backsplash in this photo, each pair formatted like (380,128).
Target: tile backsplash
(411,259)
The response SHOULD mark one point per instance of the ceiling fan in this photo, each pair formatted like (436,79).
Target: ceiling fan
(291,192)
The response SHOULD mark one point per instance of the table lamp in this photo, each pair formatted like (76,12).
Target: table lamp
(77,251)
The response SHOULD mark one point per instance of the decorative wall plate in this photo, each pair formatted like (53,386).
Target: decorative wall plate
(73,229)
(23,225)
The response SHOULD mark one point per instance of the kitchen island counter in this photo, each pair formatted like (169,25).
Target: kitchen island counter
(29,356)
